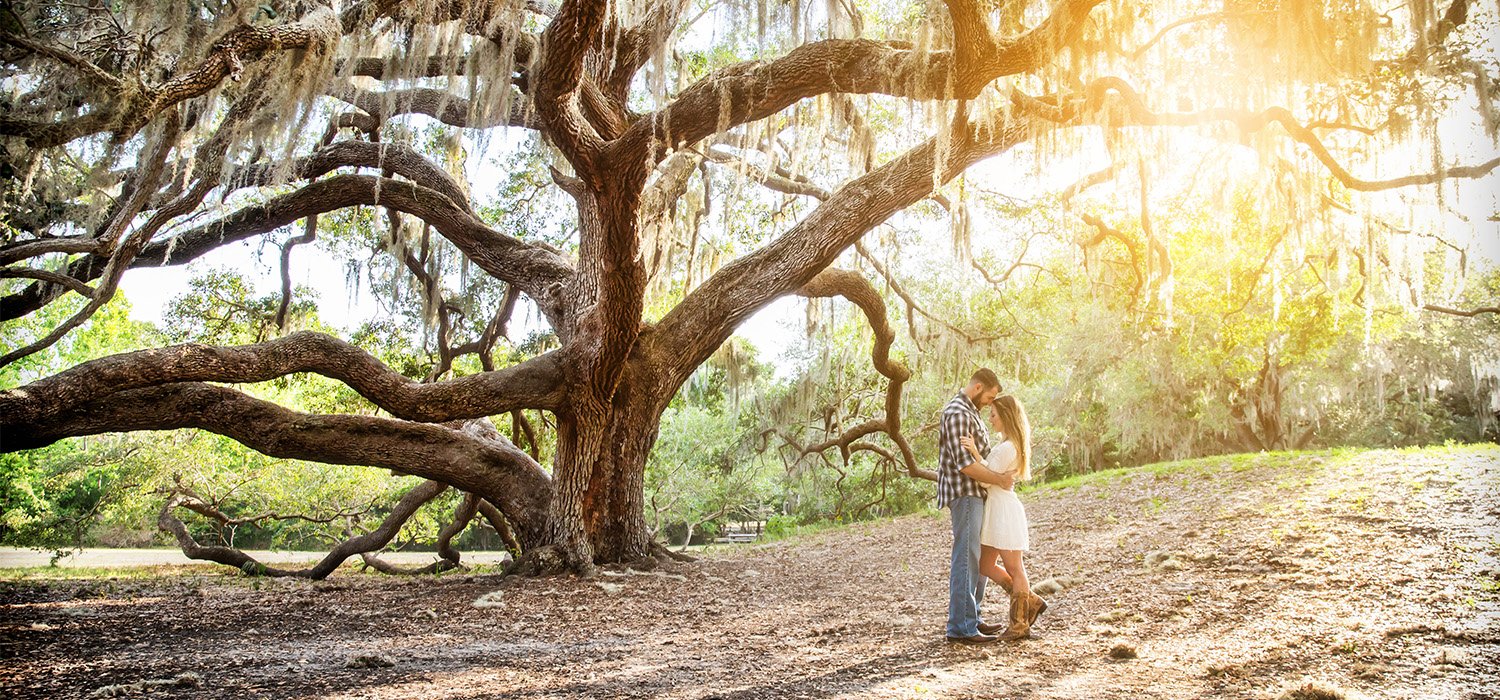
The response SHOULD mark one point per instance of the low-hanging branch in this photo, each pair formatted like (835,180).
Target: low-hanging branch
(475,458)
(535,383)
(448,556)
(231,556)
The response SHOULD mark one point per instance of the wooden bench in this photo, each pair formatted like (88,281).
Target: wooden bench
(741,537)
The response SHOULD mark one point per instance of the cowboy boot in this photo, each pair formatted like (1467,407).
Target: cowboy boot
(1034,609)
(1019,627)
(998,627)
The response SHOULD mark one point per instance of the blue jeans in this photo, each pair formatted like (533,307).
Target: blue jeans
(965,583)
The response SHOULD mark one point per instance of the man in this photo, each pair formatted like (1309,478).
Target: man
(961,491)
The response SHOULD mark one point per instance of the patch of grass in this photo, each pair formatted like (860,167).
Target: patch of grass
(794,533)
(95,573)
(1205,467)
(1155,505)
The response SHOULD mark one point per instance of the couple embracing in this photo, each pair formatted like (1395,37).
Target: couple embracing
(975,482)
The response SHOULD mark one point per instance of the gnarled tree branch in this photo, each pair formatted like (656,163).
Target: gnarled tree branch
(861,293)
(535,383)
(746,92)
(226,57)
(537,270)
(449,557)
(1467,313)
(230,556)
(475,459)
(711,312)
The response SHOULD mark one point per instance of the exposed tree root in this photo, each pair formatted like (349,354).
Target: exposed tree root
(374,561)
(552,560)
(663,552)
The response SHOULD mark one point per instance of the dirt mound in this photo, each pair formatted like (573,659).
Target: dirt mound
(1250,576)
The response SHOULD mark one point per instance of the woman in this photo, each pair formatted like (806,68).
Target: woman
(1005,537)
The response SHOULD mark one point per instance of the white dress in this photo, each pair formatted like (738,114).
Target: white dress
(1004,517)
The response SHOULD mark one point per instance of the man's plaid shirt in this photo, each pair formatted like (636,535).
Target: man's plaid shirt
(960,418)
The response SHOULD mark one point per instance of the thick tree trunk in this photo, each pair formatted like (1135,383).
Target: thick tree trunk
(598,509)
(608,424)
(616,496)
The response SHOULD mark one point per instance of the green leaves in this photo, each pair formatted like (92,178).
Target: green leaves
(108,331)
(222,308)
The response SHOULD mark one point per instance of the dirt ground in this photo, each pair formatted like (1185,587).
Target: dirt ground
(1371,575)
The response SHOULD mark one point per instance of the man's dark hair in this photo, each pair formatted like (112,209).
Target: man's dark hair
(986,377)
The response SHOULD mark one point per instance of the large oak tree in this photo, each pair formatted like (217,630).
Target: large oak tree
(132,133)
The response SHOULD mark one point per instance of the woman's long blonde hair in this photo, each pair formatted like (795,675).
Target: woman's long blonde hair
(1017,429)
